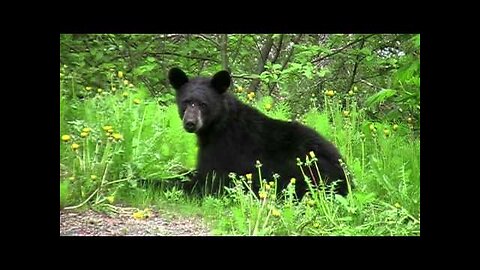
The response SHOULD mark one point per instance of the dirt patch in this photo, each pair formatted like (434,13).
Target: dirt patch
(122,223)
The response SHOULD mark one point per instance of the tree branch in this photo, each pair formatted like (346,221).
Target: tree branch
(267,47)
(343,48)
(279,48)
(185,56)
(290,53)
(355,66)
(239,43)
(287,59)
(247,77)
(207,38)
(370,84)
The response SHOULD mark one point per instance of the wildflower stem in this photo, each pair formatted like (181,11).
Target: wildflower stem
(117,181)
(313,176)
(249,189)
(259,215)
(266,220)
(140,131)
(88,152)
(319,175)
(363,157)
(84,202)
(260,177)
(84,155)
(103,181)
(106,152)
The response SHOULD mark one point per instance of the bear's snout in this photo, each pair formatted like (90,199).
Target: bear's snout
(190,126)
(192,119)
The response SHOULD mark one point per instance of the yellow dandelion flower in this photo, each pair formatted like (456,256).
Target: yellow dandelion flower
(275,212)
(312,154)
(409,119)
(271,183)
(330,93)
(351,93)
(66,138)
(120,74)
(71,178)
(125,94)
(395,127)
(346,113)
(117,136)
(110,199)
(75,146)
(125,82)
(292,181)
(88,88)
(99,90)
(136,101)
(107,128)
(267,187)
(262,194)
(397,205)
(386,132)
(372,127)
(86,129)
(130,85)
(84,134)
(355,88)
(138,215)
(114,89)
(93,177)
(311,202)
(268,106)
(249,176)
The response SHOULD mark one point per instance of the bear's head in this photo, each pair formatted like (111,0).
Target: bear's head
(199,100)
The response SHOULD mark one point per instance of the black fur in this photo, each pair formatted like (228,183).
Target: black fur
(234,136)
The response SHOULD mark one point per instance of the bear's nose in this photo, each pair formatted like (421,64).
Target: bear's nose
(190,125)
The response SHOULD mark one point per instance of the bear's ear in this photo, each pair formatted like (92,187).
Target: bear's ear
(177,78)
(221,81)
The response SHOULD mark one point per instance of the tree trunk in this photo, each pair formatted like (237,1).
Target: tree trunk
(223,50)
(235,55)
(266,48)
(290,53)
(355,67)
(279,49)
(287,59)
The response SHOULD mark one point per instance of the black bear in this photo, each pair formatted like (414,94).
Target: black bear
(232,136)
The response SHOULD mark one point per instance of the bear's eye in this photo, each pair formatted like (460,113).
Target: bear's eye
(202,105)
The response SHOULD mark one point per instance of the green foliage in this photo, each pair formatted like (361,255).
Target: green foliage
(360,213)
(362,92)
(64,193)
(379,97)
(319,122)
(129,138)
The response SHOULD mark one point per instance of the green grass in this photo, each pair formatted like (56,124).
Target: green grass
(150,144)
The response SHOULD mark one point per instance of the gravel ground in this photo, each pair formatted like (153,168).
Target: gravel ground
(122,223)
